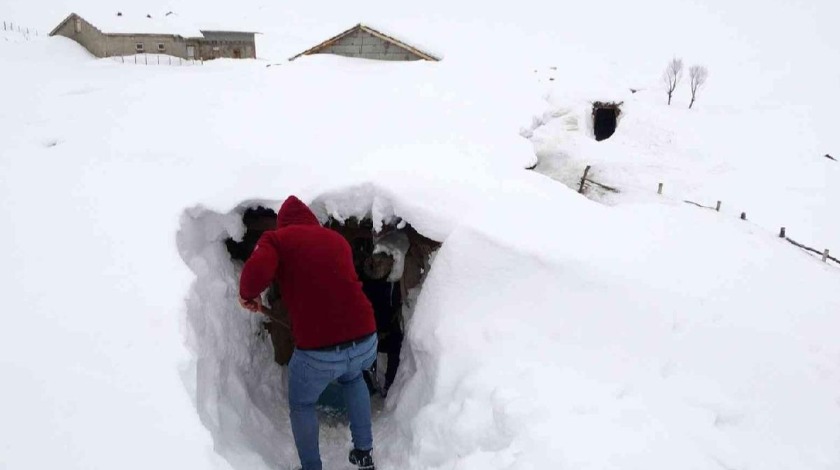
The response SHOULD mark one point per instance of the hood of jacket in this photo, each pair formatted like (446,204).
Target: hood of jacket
(295,212)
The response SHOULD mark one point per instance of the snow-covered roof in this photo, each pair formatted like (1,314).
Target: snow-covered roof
(378,32)
(415,44)
(121,21)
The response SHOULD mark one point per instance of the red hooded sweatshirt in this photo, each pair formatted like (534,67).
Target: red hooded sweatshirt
(313,267)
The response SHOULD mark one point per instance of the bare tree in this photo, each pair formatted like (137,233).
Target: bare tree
(698,75)
(672,76)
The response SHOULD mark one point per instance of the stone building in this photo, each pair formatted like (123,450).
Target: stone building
(367,43)
(121,34)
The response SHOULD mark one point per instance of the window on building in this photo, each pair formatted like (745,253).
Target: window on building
(139,47)
(161,47)
(78,25)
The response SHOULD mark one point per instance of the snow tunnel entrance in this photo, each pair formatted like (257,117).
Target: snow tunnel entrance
(238,379)
(391,264)
(605,119)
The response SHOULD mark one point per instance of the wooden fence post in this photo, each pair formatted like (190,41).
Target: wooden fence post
(825,255)
(146,58)
(782,233)
(659,191)
(583,180)
(743,216)
(717,208)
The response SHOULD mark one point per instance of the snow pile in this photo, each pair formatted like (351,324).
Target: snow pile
(238,388)
(591,361)
(559,349)
(752,164)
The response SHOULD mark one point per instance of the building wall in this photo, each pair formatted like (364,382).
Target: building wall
(213,45)
(224,44)
(89,37)
(109,45)
(121,45)
(367,46)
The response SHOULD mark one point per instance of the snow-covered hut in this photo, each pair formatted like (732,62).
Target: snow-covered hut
(120,34)
(362,41)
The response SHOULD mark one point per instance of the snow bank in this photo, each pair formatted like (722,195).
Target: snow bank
(565,348)
(237,387)
(752,164)
(591,361)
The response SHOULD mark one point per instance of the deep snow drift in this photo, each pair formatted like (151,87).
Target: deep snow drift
(552,331)
(583,350)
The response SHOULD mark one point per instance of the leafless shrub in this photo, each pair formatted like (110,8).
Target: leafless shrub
(698,75)
(672,76)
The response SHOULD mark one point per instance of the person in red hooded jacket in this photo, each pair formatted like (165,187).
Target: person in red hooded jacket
(332,322)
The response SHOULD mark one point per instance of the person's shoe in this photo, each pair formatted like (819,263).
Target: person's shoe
(362,459)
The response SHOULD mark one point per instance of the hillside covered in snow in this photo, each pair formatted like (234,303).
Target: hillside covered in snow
(614,329)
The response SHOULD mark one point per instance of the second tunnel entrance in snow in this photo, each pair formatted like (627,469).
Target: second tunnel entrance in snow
(605,119)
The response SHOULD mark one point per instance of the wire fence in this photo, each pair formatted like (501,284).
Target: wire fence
(25,31)
(157,59)
(824,254)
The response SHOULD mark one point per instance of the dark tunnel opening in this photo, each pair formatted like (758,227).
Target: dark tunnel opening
(605,120)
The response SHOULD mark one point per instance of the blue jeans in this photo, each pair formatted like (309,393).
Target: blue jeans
(310,372)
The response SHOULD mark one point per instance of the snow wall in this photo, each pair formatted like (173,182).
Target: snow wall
(239,390)
(578,349)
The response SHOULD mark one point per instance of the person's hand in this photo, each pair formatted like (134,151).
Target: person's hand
(252,305)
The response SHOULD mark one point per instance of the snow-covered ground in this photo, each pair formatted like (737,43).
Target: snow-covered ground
(622,331)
